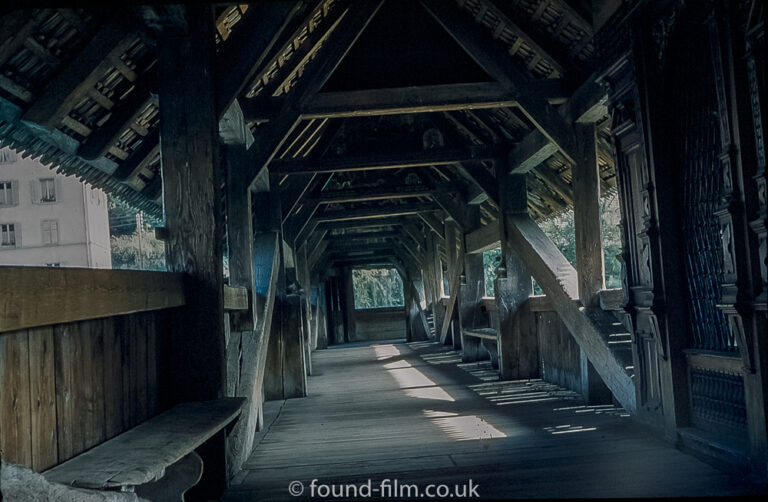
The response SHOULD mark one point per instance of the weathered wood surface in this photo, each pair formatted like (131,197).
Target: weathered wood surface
(590,328)
(236,298)
(373,422)
(46,295)
(193,202)
(586,217)
(68,387)
(141,454)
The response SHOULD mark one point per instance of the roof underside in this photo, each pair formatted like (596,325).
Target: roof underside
(78,89)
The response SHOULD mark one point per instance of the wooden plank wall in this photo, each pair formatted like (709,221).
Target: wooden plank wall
(559,355)
(68,387)
(377,324)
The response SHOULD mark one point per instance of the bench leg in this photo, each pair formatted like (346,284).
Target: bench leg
(178,478)
(470,348)
(492,347)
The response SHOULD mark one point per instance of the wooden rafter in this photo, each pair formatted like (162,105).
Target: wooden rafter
(493,59)
(376,212)
(73,83)
(352,24)
(255,34)
(417,158)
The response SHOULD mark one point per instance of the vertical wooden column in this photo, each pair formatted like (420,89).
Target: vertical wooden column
(455,265)
(472,290)
(192,205)
(193,218)
(589,246)
(267,267)
(516,341)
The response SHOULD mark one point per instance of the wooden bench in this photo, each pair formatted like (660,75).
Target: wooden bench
(137,459)
(487,337)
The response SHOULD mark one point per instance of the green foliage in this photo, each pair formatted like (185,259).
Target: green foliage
(132,249)
(377,288)
(610,228)
(562,231)
(125,251)
(491,260)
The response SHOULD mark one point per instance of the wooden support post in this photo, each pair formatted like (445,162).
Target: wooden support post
(589,246)
(239,232)
(472,290)
(294,353)
(192,203)
(190,157)
(516,340)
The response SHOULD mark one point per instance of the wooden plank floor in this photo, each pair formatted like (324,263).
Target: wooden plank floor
(414,413)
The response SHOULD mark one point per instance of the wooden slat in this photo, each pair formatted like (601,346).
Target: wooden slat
(15,419)
(44,295)
(113,379)
(65,342)
(142,454)
(42,398)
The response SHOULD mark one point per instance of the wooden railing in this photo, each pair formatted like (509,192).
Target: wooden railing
(81,357)
(41,296)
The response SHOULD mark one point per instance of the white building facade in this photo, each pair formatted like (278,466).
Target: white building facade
(47,219)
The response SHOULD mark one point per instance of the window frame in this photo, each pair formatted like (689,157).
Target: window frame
(50,241)
(13,230)
(42,189)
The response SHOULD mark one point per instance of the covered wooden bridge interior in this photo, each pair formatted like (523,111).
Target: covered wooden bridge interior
(302,140)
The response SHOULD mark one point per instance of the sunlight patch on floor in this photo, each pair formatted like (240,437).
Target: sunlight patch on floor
(415,383)
(387,351)
(463,427)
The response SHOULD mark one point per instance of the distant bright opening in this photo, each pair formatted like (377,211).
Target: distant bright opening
(377,288)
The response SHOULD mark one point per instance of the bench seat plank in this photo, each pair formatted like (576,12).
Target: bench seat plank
(141,454)
(487,333)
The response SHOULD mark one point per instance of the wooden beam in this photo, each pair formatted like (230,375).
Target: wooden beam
(541,43)
(99,141)
(45,295)
(587,105)
(375,222)
(239,231)
(495,61)
(255,34)
(558,280)
(143,155)
(313,35)
(370,194)
(315,75)
(421,99)
(434,224)
(555,183)
(586,218)
(192,204)
(376,212)
(71,85)
(483,239)
(397,160)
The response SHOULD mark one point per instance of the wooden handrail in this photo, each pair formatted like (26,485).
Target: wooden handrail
(40,296)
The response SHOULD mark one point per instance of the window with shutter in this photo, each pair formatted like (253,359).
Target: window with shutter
(8,234)
(50,232)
